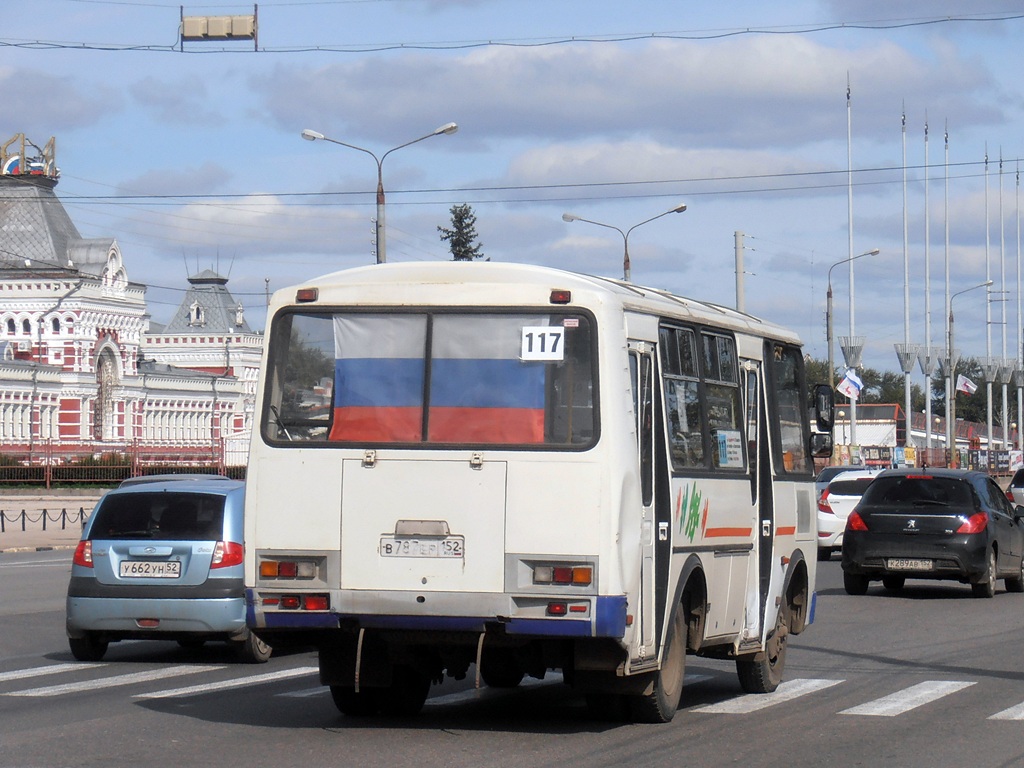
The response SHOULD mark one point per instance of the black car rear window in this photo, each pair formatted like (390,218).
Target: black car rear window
(176,516)
(854,487)
(919,492)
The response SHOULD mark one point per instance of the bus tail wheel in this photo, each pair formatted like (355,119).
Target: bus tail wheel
(764,674)
(660,703)
(406,694)
(354,704)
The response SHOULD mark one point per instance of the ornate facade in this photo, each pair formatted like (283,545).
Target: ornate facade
(81,364)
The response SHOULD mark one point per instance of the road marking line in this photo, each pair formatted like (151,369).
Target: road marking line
(51,669)
(754,702)
(1013,713)
(224,685)
(109,682)
(907,699)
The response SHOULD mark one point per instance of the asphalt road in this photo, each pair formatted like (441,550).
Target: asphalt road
(929,677)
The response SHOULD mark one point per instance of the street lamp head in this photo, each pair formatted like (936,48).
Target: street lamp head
(447,128)
(679,208)
(309,135)
(872,252)
(570,217)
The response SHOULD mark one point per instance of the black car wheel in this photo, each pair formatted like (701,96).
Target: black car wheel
(1016,583)
(987,586)
(855,583)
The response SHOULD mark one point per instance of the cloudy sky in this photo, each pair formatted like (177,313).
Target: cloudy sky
(190,155)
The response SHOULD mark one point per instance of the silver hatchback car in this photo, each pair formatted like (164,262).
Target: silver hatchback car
(161,558)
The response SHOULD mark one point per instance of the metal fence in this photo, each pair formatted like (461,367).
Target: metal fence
(24,518)
(50,464)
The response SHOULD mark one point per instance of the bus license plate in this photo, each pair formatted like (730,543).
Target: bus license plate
(149,569)
(908,564)
(448,547)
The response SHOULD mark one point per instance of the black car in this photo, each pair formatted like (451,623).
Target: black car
(934,524)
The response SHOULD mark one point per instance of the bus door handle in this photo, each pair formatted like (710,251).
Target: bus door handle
(662,531)
(766,528)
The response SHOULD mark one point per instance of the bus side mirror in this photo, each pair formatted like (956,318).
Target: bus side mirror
(822,445)
(824,408)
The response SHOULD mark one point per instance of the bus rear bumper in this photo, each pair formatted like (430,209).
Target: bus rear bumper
(549,616)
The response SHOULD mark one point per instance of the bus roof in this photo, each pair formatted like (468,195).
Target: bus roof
(509,284)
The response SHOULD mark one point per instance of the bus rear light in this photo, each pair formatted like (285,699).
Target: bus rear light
(306,295)
(579,575)
(317,602)
(287,569)
(83,554)
(560,296)
(314,602)
(558,609)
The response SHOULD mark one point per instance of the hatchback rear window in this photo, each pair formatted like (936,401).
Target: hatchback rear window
(854,487)
(920,492)
(177,516)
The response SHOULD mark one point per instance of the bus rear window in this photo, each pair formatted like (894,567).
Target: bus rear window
(436,378)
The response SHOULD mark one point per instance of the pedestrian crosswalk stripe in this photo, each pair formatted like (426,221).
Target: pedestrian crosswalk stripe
(1013,713)
(907,699)
(49,669)
(757,701)
(222,685)
(110,682)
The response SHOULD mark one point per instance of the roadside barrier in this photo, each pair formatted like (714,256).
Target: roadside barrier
(63,517)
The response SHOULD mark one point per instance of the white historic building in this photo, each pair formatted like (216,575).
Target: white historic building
(82,368)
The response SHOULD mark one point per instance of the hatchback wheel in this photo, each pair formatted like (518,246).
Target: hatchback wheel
(855,583)
(1016,583)
(894,583)
(87,648)
(987,586)
(252,650)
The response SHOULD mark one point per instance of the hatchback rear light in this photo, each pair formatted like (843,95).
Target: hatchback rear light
(823,505)
(83,554)
(976,523)
(855,522)
(227,553)
(1009,494)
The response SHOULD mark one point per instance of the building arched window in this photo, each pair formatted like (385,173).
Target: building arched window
(55,324)
(26,326)
(10,326)
(196,315)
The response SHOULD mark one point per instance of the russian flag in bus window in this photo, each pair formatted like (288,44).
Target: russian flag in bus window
(480,389)
(378,378)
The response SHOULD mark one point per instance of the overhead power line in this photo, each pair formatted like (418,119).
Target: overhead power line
(697,35)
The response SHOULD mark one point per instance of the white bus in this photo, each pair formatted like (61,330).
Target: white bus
(505,470)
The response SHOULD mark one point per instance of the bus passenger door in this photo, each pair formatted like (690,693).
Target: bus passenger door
(761,495)
(642,370)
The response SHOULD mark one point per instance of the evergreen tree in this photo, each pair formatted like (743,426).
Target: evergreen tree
(462,235)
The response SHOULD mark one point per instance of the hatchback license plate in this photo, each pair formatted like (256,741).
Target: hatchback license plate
(909,564)
(150,569)
(448,547)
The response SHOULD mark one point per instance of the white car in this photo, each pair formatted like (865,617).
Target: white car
(835,505)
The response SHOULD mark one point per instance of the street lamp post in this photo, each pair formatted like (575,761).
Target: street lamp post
(570,217)
(828,310)
(950,356)
(447,129)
